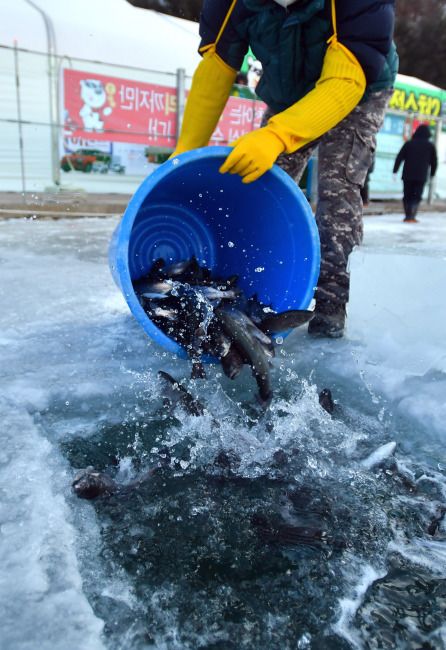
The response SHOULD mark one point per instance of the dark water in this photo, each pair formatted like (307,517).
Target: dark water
(265,531)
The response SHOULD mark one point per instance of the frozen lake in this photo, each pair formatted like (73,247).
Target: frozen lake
(204,556)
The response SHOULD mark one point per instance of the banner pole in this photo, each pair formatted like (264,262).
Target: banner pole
(181,99)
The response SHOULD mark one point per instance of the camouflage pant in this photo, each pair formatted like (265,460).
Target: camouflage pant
(344,157)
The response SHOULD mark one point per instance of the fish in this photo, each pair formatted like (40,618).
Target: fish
(280,459)
(90,484)
(217,293)
(326,400)
(380,454)
(247,322)
(184,267)
(227,460)
(232,363)
(160,312)
(217,343)
(156,270)
(250,348)
(209,314)
(286,534)
(284,321)
(149,288)
(176,394)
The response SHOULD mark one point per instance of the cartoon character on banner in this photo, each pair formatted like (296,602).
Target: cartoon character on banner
(97,103)
(254,72)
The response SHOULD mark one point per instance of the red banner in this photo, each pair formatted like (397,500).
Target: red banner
(239,117)
(121,110)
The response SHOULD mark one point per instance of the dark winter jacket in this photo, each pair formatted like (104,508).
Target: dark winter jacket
(291,43)
(418,155)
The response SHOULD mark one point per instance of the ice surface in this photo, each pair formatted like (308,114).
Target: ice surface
(396,316)
(72,360)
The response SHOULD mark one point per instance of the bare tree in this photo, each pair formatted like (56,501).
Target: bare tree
(420,35)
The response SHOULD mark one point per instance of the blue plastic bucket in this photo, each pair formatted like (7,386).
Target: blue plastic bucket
(264,232)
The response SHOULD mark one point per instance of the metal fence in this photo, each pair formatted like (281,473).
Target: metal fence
(40,150)
(36,128)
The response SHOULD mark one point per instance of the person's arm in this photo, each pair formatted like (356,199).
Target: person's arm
(400,158)
(223,55)
(356,54)
(434,161)
(211,86)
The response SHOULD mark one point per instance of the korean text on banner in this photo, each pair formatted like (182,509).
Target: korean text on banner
(121,110)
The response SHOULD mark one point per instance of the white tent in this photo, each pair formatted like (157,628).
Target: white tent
(109,37)
(112,31)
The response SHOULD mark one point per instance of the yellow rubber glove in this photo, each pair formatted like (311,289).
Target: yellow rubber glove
(211,86)
(253,154)
(339,89)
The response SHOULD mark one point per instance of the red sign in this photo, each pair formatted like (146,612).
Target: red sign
(121,110)
(239,117)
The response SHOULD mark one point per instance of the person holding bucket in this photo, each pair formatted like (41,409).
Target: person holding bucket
(328,70)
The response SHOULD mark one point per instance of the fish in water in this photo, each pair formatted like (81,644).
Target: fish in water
(250,347)
(326,400)
(284,534)
(232,363)
(286,320)
(379,455)
(227,460)
(90,483)
(211,315)
(176,394)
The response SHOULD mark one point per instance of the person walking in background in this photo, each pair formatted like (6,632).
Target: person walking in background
(418,155)
(328,70)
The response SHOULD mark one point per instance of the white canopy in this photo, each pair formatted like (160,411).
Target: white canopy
(112,31)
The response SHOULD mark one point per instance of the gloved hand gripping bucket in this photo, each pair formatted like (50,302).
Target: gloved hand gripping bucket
(264,232)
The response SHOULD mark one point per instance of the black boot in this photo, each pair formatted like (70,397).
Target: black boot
(406,209)
(411,212)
